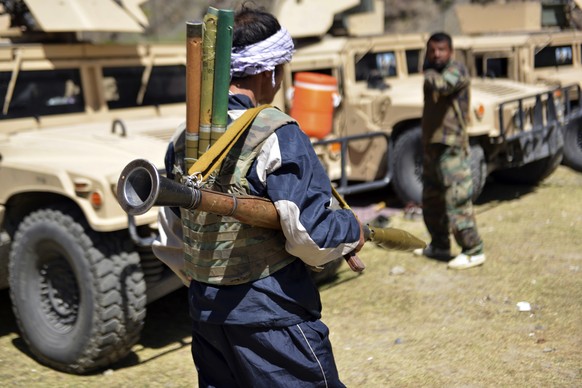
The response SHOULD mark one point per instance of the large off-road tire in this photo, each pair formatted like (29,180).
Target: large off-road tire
(78,296)
(407,167)
(573,145)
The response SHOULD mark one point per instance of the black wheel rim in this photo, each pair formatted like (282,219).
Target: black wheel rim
(59,291)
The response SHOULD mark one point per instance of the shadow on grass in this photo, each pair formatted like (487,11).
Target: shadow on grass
(493,191)
(8,322)
(500,192)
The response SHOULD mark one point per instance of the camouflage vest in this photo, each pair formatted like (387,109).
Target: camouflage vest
(220,249)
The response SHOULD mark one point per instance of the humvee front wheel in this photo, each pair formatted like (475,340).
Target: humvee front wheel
(573,145)
(407,164)
(78,296)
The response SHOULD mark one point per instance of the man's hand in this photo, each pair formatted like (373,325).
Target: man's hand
(352,258)
(362,239)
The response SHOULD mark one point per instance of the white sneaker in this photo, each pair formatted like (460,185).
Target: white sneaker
(464,261)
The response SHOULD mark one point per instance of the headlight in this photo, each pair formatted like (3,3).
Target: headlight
(479,111)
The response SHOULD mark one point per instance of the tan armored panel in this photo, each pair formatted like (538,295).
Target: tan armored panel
(475,18)
(73,15)
(133,8)
(370,22)
(293,14)
(360,17)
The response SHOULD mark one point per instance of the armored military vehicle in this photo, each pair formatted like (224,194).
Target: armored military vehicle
(74,113)
(542,48)
(515,129)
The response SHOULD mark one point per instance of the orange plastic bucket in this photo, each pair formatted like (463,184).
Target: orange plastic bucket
(313,103)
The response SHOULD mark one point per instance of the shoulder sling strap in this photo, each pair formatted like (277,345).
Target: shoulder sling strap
(213,157)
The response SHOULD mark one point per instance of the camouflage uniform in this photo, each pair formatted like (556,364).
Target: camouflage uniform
(447,183)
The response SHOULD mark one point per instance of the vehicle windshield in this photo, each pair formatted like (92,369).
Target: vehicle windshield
(166,85)
(551,56)
(41,93)
(382,64)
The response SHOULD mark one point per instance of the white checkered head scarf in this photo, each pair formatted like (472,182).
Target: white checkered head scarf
(262,56)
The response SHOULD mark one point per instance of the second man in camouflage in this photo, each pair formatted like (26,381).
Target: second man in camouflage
(447,183)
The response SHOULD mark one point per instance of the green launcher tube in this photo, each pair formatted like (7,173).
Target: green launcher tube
(207,83)
(221,74)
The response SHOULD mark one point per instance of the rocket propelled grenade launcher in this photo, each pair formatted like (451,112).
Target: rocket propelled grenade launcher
(393,239)
(140,187)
